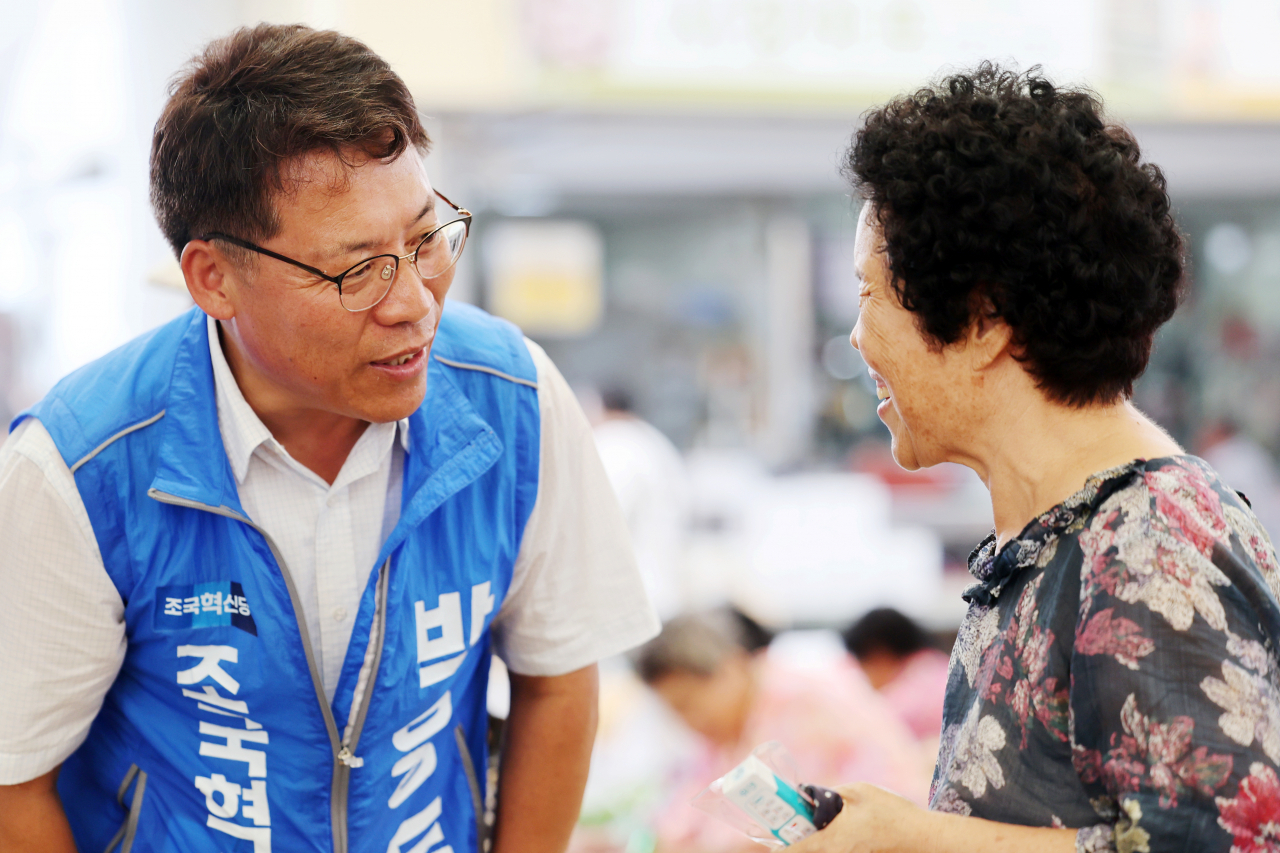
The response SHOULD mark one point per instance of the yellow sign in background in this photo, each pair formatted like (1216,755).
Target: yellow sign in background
(546,276)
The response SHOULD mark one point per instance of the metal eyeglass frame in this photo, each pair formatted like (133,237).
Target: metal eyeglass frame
(464,215)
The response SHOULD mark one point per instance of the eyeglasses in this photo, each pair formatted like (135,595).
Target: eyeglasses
(367,283)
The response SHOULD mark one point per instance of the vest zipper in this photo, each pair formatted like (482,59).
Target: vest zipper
(344,757)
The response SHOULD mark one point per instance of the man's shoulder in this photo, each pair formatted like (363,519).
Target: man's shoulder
(121,389)
(471,339)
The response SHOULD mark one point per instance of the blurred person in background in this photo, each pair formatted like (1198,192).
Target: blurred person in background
(835,726)
(638,741)
(649,479)
(1114,685)
(750,632)
(899,660)
(1246,465)
(641,745)
(257,561)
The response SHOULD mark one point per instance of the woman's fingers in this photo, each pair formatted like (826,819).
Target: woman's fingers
(852,792)
(872,819)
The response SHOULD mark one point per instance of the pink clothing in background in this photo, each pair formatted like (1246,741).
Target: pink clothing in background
(917,693)
(834,724)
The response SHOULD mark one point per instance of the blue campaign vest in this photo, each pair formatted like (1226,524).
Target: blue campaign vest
(216,735)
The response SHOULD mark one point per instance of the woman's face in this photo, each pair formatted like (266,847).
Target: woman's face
(716,706)
(920,386)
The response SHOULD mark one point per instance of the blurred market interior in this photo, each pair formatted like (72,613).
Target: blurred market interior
(658,203)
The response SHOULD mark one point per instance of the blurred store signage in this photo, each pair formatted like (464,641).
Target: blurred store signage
(546,276)
(1154,59)
(840,45)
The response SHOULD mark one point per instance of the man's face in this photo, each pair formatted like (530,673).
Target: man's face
(297,348)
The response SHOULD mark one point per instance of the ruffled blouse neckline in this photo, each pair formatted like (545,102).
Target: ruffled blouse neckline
(993,570)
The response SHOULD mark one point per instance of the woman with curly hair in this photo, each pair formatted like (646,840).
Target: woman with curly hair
(1115,684)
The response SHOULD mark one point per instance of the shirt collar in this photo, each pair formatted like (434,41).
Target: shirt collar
(242,430)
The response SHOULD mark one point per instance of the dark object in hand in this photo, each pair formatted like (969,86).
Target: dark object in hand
(826,804)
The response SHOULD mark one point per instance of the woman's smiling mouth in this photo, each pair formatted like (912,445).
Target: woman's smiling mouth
(882,390)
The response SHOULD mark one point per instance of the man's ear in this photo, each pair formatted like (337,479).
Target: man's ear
(990,336)
(211,279)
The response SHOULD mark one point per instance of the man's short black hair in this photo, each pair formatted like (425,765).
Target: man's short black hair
(1000,191)
(252,101)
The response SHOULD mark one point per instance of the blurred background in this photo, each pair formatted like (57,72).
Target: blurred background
(658,202)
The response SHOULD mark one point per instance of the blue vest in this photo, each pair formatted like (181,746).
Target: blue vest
(216,735)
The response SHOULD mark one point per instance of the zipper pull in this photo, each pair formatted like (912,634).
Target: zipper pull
(345,756)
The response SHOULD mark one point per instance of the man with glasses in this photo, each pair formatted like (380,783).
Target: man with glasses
(256,562)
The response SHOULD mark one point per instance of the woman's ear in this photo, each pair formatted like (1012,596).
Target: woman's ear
(211,279)
(990,337)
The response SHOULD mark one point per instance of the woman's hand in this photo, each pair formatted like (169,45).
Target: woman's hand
(873,820)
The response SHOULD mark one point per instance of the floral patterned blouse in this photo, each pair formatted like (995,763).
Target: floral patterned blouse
(1117,670)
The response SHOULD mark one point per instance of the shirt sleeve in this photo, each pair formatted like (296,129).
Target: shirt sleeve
(62,638)
(1174,699)
(576,595)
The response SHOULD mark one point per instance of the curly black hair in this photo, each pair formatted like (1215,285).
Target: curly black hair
(998,188)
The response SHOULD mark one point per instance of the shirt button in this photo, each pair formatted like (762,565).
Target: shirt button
(339,613)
